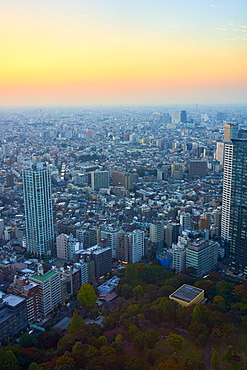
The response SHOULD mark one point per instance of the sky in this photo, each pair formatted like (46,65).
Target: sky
(127,52)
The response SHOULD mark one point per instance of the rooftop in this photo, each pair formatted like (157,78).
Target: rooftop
(64,323)
(13,300)
(186,293)
(44,277)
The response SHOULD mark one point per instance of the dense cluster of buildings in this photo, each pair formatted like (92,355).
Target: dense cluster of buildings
(81,190)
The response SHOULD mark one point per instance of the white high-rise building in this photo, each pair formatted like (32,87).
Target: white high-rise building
(226,197)
(67,245)
(38,209)
(176,117)
(73,246)
(99,179)
(62,246)
(202,255)
(49,295)
(137,246)
(157,235)
(5,149)
(185,220)
(230,132)
(219,154)
(1,227)
(111,236)
(178,259)
(83,267)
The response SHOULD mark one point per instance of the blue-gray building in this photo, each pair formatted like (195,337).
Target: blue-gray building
(13,315)
(238,208)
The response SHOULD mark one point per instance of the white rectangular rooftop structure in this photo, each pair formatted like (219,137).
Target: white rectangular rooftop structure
(13,300)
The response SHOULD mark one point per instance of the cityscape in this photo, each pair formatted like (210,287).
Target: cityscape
(123,185)
(87,192)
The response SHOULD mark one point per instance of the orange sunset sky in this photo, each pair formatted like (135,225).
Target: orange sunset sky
(122,52)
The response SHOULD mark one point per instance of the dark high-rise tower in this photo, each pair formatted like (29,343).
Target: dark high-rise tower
(183,116)
(238,207)
(38,209)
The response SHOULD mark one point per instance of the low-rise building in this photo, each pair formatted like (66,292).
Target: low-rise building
(187,295)
(13,315)
(29,290)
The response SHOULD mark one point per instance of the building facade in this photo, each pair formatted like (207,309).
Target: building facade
(111,237)
(49,295)
(99,179)
(137,246)
(27,289)
(102,258)
(13,315)
(38,209)
(230,132)
(197,168)
(123,247)
(157,235)
(202,256)
(238,208)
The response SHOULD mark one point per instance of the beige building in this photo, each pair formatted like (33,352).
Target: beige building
(187,295)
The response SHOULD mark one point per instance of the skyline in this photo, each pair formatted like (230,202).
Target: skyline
(138,52)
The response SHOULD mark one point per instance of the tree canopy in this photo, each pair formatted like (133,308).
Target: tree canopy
(76,323)
(86,295)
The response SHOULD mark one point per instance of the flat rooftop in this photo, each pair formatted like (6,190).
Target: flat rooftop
(64,323)
(186,293)
(44,277)
(13,300)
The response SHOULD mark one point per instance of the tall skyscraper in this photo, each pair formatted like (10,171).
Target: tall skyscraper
(230,133)
(238,208)
(226,197)
(38,209)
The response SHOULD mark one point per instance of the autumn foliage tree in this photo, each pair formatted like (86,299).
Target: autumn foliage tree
(169,364)
(65,363)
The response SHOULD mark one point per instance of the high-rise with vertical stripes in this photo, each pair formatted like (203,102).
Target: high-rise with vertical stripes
(230,133)
(38,209)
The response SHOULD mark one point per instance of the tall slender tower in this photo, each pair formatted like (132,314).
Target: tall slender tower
(226,197)
(38,209)
(230,133)
(238,208)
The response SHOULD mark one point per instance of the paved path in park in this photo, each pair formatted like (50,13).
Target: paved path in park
(207,354)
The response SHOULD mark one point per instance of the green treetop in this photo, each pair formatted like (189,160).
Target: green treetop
(86,295)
